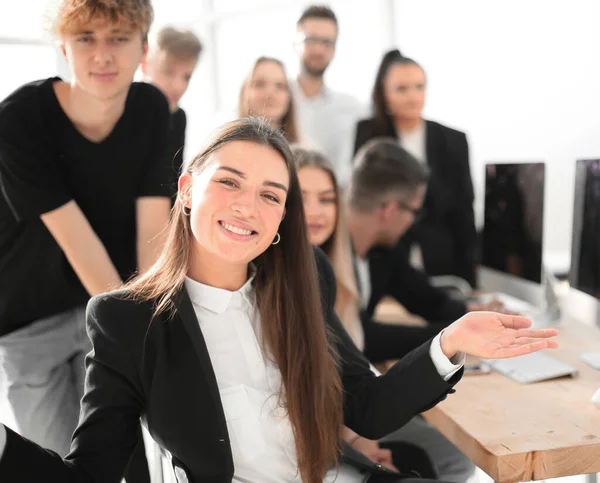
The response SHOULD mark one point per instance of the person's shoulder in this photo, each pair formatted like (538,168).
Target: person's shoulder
(179,117)
(120,311)
(147,95)
(145,89)
(23,102)
(344,97)
(447,131)
(326,275)
(349,102)
(365,130)
(365,124)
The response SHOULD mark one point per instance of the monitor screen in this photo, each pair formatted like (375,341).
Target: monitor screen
(585,246)
(511,240)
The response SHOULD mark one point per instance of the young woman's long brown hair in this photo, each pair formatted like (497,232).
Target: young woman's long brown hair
(289,302)
(339,251)
(289,124)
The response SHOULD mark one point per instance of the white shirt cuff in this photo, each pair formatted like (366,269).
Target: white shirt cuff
(446,367)
(374,370)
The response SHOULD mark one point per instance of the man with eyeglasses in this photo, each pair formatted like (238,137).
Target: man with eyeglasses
(327,118)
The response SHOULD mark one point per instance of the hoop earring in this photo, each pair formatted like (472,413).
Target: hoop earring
(188,212)
(278,238)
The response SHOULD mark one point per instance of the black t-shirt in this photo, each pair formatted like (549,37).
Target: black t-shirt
(177,126)
(45,163)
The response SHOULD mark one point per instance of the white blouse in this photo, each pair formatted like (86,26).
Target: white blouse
(262,440)
(415,142)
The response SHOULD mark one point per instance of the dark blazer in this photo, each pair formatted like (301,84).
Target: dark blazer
(162,374)
(392,274)
(446,233)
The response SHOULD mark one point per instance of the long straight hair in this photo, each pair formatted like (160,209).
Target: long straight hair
(289,123)
(383,122)
(287,291)
(337,247)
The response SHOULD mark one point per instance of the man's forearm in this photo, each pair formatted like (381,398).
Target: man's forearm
(94,268)
(149,250)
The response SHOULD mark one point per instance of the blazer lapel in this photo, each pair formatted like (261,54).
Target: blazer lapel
(432,143)
(185,311)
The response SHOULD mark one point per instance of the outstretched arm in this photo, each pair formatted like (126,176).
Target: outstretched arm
(376,406)
(495,336)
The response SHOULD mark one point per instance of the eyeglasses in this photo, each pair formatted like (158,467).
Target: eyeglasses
(312,40)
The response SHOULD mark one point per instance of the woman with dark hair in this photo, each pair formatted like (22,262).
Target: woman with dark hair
(445,236)
(266,92)
(229,350)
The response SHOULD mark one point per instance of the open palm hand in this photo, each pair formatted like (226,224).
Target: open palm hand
(495,336)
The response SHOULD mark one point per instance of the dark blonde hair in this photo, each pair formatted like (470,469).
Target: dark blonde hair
(338,249)
(178,43)
(71,15)
(288,297)
(289,125)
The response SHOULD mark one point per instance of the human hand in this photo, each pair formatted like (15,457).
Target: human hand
(374,452)
(494,336)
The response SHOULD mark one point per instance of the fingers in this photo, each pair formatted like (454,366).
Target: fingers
(552,344)
(520,350)
(537,333)
(385,454)
(384,457)
(531,340)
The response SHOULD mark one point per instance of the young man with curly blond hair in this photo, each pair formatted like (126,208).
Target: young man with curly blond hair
(84,197)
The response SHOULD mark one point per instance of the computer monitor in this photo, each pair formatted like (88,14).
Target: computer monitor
(511,240)
(585,246)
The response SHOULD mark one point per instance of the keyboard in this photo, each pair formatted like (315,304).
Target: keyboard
(530,367)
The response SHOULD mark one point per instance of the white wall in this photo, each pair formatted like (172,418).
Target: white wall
(522,78)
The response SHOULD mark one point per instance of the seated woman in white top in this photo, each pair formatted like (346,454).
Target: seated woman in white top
(228,349)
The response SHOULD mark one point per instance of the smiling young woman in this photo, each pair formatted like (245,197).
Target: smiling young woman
(229,350)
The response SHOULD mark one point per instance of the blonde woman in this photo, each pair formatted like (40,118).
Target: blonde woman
(266,93)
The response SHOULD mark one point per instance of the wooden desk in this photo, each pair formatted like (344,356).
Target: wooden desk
(516,432)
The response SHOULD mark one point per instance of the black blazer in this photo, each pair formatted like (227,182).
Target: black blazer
(446,234)
(162,374)
(392,275)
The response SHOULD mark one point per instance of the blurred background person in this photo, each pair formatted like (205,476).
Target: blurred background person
(327,117)
(325,219)
(444,240)
(171,60)
(265,92)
